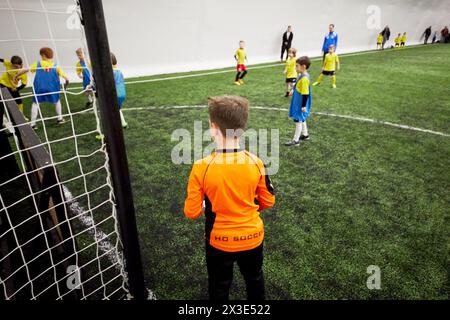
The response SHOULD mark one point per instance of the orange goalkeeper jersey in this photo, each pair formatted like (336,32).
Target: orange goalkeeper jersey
(234,188)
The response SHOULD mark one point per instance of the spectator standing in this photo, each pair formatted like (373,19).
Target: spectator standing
(330,39)
(288,36)
(427,34)
(386,35)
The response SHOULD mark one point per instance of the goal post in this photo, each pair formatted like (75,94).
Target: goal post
(93,20)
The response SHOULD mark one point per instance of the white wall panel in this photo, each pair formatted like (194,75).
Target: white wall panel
(165,36)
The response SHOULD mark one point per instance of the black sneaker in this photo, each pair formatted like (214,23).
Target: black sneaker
(292,143)
(286,95)
(35,127)
(304,138)
(88,105)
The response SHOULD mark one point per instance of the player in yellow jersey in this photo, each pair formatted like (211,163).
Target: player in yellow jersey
(13,67)
(290,71)
(398,40)
(330,65)
(241,58)
(403,40)
(379,41)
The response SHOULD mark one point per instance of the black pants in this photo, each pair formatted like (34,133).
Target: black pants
(284,48)
(241,75)
(14,94)
(385,39)
(220,272)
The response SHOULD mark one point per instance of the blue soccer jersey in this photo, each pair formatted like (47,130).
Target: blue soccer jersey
(86,74)
(120,86)
(46,84)
(330,39)
(302,90)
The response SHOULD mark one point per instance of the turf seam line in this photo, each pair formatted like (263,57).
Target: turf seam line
(328,114)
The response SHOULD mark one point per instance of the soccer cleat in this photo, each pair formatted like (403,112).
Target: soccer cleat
(34,127)
(292,143)
(241,81)
(304,138)
(61,121)
(125,126)
(334,86)
(237,83)
(88,104)
(316,84)
(99,137)
(286,95)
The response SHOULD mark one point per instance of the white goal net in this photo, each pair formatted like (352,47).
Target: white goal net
(59,233)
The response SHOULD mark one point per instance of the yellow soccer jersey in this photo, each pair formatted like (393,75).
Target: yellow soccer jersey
(79,68)
(302,86)
(380,39)
(404,38)
(291,72)
(330,62)
(47,64)
(7,77)
(241,55)
(397,40)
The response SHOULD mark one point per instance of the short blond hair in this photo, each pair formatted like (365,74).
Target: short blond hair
(293,51)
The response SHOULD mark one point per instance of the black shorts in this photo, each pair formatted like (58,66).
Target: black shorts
(328,73)
(14,94)
(402,44)
(291,80)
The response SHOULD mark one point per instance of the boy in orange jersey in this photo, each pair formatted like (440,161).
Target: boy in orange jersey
(234,188)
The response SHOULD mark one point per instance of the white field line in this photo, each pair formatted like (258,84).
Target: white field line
(99,236)
(386,123)
(202,74)
(357,118)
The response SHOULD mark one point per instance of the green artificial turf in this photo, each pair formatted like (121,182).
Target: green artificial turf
(357,194)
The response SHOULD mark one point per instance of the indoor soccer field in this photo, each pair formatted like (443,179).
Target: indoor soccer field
(371,187)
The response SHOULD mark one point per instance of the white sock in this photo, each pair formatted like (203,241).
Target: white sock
(58,109)
(122,119)
(89,97)
(34,113)
(298,131)
(304,129)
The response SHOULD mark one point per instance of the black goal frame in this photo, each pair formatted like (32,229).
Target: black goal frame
(93,20)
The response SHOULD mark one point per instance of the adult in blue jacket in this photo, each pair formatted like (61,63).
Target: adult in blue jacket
(330,39)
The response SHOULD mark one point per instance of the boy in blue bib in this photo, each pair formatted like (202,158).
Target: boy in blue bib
(301,102)
(84,73)
(120,88)
(46,85)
